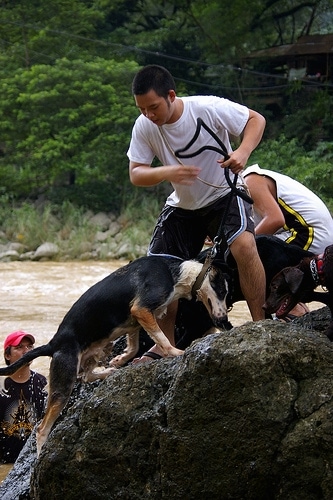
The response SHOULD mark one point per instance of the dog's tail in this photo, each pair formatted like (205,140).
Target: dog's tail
(43,350)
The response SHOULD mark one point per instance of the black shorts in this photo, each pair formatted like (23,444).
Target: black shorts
(182,232)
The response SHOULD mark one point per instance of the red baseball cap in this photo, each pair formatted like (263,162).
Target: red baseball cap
(15,338)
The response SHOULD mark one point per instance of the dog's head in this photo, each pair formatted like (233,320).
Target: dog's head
(285,292)
(213,294)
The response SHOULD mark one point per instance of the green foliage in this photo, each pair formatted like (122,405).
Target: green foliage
(314,169)
(277,154)
(35,32)
(309,117)
(65,225)
(66,123)
(158,33)
(138,224)
(69,227)
(27,225)
(66,70)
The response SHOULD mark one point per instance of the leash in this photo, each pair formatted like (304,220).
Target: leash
(206,267)
(180,153)
(233,185)
(221,150)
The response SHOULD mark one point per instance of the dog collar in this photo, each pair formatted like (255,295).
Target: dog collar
(200,278)
(206,267)
(316,267)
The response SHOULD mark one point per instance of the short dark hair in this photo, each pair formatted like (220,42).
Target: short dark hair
(153,77)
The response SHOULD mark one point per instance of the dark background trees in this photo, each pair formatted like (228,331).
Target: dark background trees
(65,81)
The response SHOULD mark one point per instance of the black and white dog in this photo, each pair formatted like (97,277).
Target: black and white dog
(131,298)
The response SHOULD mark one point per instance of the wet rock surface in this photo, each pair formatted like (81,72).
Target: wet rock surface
(247,414)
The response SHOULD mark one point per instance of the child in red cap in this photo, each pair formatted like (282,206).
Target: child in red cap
(22,398)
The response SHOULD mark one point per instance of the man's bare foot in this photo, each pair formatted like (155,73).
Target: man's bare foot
(299,310)
(146,358)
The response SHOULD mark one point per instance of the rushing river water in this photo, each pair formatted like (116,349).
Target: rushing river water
(35,296)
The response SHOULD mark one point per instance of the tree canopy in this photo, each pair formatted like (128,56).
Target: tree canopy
(66,69)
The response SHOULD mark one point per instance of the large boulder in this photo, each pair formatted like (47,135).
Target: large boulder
(247,414)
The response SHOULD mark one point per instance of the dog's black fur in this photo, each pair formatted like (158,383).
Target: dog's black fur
(295,284)
(192,319)
(131,298)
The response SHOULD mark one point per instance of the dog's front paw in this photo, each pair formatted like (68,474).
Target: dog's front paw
(98,374)
(118,361)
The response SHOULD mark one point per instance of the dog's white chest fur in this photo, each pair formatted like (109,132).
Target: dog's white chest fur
(190,270)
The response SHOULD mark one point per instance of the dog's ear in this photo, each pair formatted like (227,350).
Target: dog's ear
(293,277)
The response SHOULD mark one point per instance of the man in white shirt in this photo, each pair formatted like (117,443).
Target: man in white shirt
(201,193)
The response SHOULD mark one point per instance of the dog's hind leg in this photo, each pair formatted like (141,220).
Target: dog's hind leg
(132,347)
(63,373)
(148,322)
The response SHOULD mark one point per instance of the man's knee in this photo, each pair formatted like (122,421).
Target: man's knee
(244,246)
